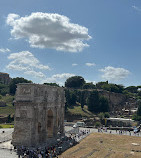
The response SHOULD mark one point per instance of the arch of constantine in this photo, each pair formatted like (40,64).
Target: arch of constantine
(39,114)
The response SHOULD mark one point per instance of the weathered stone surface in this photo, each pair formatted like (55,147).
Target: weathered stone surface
(4,78)
(39,114)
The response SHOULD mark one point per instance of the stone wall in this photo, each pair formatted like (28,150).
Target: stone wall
(39,114)
(116,100)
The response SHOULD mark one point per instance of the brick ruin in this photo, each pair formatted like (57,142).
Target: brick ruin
(4,78)
(39,115)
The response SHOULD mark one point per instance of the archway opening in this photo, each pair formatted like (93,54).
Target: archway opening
(50,123)
(39,127)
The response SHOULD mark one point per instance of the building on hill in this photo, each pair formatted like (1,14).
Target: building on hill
(4,78)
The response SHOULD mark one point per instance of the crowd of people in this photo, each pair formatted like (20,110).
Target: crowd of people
(120,132)
(46,152)
(62,144)
(81,134)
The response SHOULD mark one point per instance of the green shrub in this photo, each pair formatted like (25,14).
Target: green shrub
(106,115)
(97,124)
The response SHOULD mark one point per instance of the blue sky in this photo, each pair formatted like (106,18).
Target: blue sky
(51,40)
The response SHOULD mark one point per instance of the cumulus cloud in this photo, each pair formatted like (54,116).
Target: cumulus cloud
(74,64)
(35,74)
(136,8)
(44,30)
(58,78)
(26,62)
(2,50)
(90,64)
(88,81)
(111,73)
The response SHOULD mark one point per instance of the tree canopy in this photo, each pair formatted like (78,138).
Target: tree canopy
(132,89)
(97,103)
(15,81)
(88,86)
(93,102)
(4,89)
(75,82)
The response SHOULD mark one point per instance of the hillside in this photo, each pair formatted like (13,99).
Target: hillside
(8,110)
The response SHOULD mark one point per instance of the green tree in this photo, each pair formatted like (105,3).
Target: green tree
(4,89)
(67,95)
(100,85)
(103,104)
(93,101)
(132,89)
(73,98)
(137,116)
(82,99)
(75,82)
(112,87)
(139,109)
(15,81)
(70,97)
(106,115)
(89,86)
(9,119)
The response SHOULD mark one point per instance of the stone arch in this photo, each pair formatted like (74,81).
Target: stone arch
(50,123)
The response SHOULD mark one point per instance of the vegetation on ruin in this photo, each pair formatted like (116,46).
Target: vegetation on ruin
(14,82)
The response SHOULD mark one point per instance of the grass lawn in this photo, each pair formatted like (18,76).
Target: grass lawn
(77,110)
(9,109)
(5,111)
(8,99)
(6,126)
(99,145)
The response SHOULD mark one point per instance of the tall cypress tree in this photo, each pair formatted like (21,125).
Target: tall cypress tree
(82,99)
(93,101)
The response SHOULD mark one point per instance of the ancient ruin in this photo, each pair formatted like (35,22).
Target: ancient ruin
(4,78)
(39,115)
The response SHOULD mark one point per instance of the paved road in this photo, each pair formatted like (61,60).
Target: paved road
(67,128)
(5,134)
(4,153)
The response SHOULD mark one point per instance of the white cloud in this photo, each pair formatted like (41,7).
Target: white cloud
(2,50)
(26,62)
(74,64)
(11,19)
(136,8)
(44,30)
(58,78)
(111,73)
(90,64)
(88,81)
(35,74)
